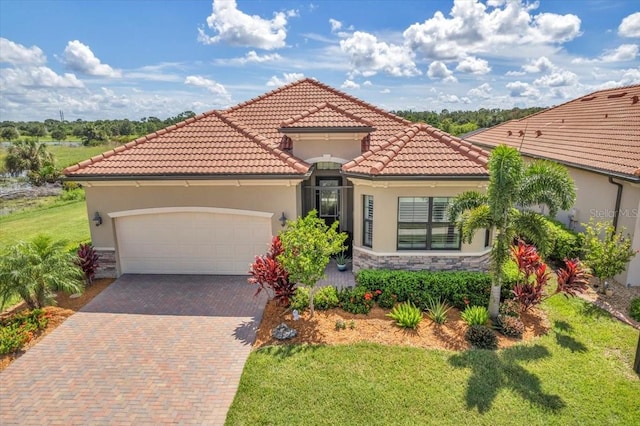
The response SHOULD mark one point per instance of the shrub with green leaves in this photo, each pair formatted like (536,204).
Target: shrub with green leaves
(357,300)
(475,315)
(18,329)
(482,337)
(437,310)
(387,300)
(510,307)
(326,298)
(634,309)
(563,242)
(300,299)
(510,325)
(406,315)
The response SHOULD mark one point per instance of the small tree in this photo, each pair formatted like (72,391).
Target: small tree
(35,269)
(607,252)
(268,273)
(9,133)
(308,246)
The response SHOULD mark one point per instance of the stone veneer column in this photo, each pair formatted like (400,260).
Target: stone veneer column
(432,262)
(106,264)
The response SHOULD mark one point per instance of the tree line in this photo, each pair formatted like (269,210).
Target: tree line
(99,131)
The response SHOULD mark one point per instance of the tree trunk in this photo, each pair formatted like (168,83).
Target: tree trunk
(636,363)
(311,293)
(494,301)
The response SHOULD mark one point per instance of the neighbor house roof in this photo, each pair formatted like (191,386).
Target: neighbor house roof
(421,150)
(245,139)
(599,131)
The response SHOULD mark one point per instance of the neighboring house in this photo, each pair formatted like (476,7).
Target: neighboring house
(597,137)
(206,195)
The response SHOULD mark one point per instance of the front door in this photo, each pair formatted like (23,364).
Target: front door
(328,198)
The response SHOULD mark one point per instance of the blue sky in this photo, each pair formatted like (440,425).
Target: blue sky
(134,59)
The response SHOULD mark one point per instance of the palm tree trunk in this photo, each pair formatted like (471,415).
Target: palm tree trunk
(494,301)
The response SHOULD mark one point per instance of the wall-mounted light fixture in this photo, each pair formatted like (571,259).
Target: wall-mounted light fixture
(283,219)
(97,219)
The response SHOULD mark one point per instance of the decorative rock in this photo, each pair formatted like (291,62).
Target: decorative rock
(284,332)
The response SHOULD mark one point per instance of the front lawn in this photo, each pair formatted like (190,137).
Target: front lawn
(580,373)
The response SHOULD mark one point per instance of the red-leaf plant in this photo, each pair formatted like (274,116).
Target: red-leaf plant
(534,277)
(88,260)
(269,274)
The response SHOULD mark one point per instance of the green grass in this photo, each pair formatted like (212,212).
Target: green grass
(579,374)
(62,220)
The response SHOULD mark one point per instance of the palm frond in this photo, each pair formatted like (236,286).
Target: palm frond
(547,183)
(468,200)
(505,176)
(533,227)
(473,220)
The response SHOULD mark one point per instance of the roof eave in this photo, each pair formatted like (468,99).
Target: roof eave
(229,176)
(352,129)
(417,177)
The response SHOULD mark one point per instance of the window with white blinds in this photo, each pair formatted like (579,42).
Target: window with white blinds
(367,212)
(423,224)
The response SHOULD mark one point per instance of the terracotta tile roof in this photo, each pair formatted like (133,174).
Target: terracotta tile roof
(421,150)
(208,144)
(598,131)
(325,115)
(266,113)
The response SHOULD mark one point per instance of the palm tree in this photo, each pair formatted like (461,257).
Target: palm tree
(35,269)
(514,187)
(27,156)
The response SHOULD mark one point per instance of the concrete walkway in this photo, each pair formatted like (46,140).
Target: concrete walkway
(150,349)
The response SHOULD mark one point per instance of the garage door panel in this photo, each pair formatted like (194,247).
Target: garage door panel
(191,242)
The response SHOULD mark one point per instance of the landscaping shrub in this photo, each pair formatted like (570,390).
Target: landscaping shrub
(482,337)
(634,309)
(72,195)
(18,329)
(475,315)
(386,299)
(406,315)
(358,300)
(300,299)
(326,298)
(510,325)
(456,288)
(563,242)
(88,261)
(510,308)
(270,275)
(437,310)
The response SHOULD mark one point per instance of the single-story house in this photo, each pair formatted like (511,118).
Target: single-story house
(597,137)
(206,195)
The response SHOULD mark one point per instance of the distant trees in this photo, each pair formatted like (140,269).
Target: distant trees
(29,156)
(9,133)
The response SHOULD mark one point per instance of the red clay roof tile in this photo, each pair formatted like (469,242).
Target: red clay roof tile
(598,131)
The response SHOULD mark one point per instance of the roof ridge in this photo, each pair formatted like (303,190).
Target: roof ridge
(138,141)
(267,94)
(319,107)
(262,141)
(361,102)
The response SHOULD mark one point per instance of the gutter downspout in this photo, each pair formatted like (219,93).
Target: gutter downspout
(618,200)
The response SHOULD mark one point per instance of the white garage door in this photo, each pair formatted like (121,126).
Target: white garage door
(191,240)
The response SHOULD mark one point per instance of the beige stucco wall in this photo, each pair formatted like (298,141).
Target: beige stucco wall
(337,147)
(596,198)
(264,196)
(385,211)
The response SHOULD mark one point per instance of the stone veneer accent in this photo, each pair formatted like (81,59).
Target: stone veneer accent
(106,264)
(433,262)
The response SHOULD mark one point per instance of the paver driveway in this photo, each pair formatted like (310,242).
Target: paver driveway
(150,349)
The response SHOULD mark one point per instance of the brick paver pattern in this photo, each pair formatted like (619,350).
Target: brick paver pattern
(147,350)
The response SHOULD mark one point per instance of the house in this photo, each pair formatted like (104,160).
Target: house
(206,195)
(597,137)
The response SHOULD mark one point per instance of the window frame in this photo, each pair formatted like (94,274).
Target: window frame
(366,220)
(428,226)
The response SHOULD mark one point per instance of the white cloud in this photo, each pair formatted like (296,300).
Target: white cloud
(275,81)
(542,64)
(475,28)
(518,89)
(236,28)
(368,56)
(335,25)
(80,58)
(630,26)
(212,86)
(36,77)
(515,73)
(624,52)
(483,91)
(473,65)
(556,79)
(252,56)
(18,54)
(350,84)
(439,71)
(385,91)
(367,83)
